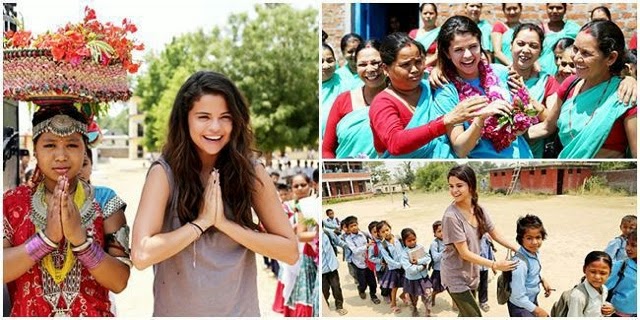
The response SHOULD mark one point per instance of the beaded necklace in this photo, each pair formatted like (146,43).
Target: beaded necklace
(69,275)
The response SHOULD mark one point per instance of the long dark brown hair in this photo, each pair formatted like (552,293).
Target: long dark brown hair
(234,162)
(466,174)
(456,25)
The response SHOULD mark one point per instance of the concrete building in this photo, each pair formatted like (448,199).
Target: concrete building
(342,179)
(549,178)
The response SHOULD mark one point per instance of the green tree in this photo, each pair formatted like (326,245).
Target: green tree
(617,165)
(275,66)
(405,174)
(378,172)
(433,176)
(118,124)
(271,57)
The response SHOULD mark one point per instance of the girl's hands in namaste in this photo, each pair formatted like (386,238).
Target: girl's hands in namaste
(72,227)
(53,230)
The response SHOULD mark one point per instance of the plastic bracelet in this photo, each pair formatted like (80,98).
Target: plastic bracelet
(92,256)
(37,248)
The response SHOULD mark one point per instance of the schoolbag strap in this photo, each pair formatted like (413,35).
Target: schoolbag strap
(620,276)
(582,287)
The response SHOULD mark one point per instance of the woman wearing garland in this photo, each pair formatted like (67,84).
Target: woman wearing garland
(393,108)
(592,120)
(460,57)
(63,250)
(348,133)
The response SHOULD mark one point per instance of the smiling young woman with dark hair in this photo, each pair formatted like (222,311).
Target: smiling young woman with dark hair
(195,212)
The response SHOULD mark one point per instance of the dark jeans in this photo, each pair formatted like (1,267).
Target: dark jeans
(331,282)
(366,278)
(515,311)
(466,302)
(483,295)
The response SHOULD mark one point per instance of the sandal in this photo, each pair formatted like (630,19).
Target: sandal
(341,312)
(405,298)
(395,309)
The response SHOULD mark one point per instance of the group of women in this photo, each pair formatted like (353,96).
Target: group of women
(66,242)
(429,94)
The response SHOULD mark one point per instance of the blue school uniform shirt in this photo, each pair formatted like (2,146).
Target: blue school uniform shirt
(525,281)
(347,251)
(436,249)
(625,296)
(393,254)
(329,259)
(616,248)
(357,243)
(377,259)
(332,222)
(415,271)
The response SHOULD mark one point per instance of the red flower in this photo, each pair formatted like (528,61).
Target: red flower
(89,14)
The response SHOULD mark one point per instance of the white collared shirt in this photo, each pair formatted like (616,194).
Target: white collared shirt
(577,302)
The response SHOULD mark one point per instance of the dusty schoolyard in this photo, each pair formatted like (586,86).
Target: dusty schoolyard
(576,225)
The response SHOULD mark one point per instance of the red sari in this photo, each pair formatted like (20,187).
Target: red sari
(27,293)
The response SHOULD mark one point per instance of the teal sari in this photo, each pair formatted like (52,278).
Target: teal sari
(426,39)
(536,85)
(436,148)
(547,58)
(586,120)
(486,28)
(351,80)
(355,138)
(330,91)
(506,44)
(446,98)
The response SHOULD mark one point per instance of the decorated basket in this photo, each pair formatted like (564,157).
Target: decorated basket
(32,74)
(85,62)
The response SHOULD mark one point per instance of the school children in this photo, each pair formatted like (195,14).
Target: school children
(622,284)
(358,243)
(526,278)
(415,261)
(616,247)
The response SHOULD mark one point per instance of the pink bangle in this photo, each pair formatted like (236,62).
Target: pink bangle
(37,248)
(92,256)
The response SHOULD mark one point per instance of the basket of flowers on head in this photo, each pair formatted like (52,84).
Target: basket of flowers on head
(85,62)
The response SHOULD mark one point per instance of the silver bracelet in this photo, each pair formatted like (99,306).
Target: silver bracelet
(126,261)
(46,240)
(83,246)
